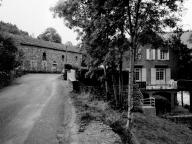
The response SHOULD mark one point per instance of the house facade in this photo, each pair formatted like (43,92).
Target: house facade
(155,72)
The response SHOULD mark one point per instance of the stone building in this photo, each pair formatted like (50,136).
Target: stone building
(45,56)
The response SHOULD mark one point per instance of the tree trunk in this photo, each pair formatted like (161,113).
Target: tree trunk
(106,84)
(114,90)
(130,84)
(120,79)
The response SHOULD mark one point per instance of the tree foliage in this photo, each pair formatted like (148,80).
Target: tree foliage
(50,34)
(183,56)
(10,56)
(13,29)
(101,22)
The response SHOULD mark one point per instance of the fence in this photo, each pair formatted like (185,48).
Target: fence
(148,101)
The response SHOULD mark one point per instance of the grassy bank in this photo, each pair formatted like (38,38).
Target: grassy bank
(160,131)
(98,116)
(148,130)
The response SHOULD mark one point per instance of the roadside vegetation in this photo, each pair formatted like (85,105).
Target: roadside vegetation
(11,57)
(91,109)
(10,60)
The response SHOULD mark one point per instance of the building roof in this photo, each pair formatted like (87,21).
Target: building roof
(29,41)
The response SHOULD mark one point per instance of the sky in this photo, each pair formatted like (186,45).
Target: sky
(34,17)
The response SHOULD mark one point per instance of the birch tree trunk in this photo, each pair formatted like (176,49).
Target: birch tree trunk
(130,85)
(120,79)
(114,90)
(106,84)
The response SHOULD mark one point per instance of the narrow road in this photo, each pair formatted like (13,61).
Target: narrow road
(31,110)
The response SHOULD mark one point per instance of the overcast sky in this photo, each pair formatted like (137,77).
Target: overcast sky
(34,17)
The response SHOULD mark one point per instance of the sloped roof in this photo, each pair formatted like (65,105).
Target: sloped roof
(29,41)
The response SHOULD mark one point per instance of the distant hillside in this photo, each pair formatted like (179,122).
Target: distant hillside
(13,29)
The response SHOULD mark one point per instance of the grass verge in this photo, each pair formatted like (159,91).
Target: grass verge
(147,129)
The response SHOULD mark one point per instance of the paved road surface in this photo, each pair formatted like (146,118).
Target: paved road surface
(31,110)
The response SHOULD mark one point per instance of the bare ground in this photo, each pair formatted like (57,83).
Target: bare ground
(91,121)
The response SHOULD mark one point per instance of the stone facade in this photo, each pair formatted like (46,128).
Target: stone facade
(44,56)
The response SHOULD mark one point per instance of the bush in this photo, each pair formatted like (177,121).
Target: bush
(186,106)
(10,59)
(4,79)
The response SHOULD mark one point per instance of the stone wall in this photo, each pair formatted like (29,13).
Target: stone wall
(37,59)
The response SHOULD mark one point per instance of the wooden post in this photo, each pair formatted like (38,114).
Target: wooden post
(172,101)
(182,98)
(190,97)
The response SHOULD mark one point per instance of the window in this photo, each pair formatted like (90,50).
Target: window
(137,74)
(160,74)
(164,55)
(138,54)
(63,57)
(44,56)
(150,54)
(76,58)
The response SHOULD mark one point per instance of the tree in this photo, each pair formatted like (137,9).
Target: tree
(9,54)
(102,21)
(13,29)
(50,34)
(183,58)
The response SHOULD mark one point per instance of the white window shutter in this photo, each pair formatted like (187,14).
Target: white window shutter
(168,55)
(148,54)
(158,54)
(153,50)
(143,76)
(168,74)
(153,76)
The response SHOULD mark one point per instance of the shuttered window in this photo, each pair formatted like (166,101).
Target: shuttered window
(163,54)
(138,74)
(160,74)
(150,54)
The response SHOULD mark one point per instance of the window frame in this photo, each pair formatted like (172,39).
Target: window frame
(63,58)
(151,54)
(164,54)
(44,56)
(137,74)
(160,74)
